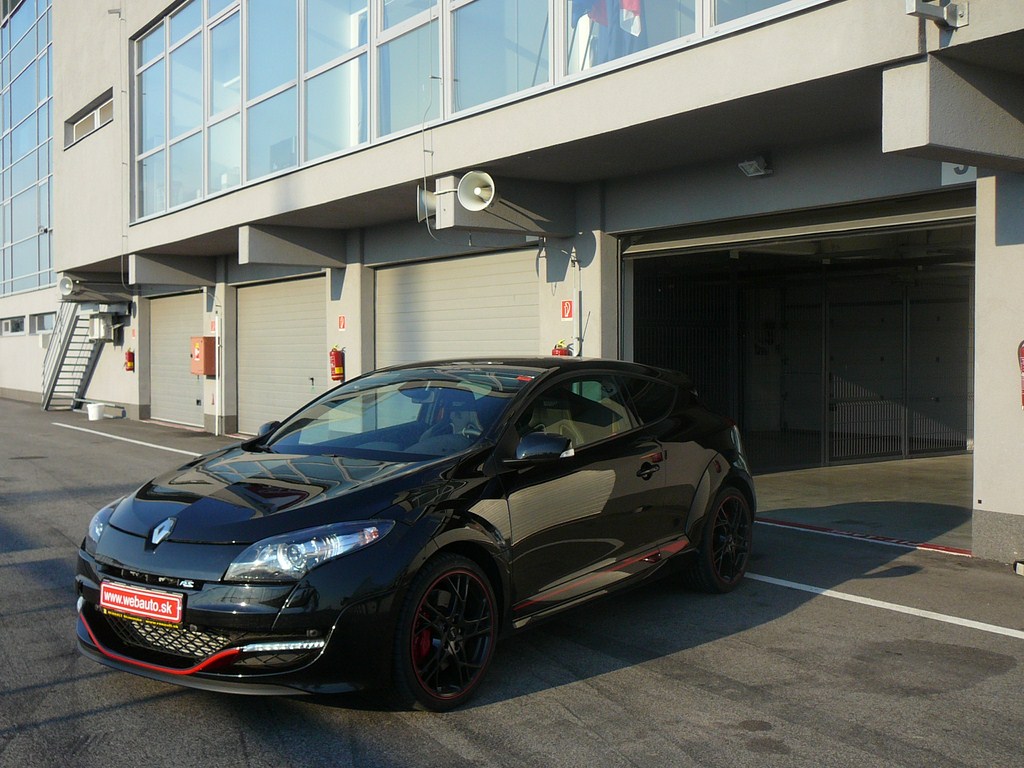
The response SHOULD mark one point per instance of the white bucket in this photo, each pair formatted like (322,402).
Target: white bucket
(95,411)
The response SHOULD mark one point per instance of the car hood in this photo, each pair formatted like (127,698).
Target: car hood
(238,496)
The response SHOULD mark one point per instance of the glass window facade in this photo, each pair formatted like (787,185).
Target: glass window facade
(27,135)
(600,31)
(409,92)
(501,48)
(229,92)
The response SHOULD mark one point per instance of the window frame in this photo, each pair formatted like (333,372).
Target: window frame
(568,381)
(99,113)
(7,323)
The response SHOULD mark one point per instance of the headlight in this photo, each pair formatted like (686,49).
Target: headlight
(291,556)
(99,522)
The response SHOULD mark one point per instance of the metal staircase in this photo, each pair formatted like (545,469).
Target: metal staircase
(70,359)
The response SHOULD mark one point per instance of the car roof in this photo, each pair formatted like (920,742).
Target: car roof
(547,362)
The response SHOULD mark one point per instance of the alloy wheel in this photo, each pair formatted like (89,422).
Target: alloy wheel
(452,635)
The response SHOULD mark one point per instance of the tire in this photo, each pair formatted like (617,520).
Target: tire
(725,542)
(445,637)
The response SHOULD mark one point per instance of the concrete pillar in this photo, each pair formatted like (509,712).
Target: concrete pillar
(998,519)
(350,309)
(584,270)
(220,392)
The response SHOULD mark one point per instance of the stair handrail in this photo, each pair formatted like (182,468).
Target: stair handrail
(57,349)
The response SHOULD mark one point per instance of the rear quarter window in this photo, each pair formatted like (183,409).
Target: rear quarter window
(652,400)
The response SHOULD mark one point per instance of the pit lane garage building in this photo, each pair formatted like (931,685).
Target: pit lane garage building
(813,206)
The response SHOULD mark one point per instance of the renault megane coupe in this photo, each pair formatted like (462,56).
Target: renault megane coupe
(389,533)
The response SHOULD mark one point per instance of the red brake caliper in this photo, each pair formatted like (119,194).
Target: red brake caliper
(421,644)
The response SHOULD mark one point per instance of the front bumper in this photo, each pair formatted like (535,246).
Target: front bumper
(272,639)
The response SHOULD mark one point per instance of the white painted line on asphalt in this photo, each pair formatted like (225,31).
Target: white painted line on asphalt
(124,439)
(887,541)
(944,618)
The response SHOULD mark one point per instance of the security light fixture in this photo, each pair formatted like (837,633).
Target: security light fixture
(756,166)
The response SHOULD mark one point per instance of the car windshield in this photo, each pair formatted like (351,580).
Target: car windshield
(405,414)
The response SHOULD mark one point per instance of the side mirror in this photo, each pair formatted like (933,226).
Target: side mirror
(266,429)
(543,445)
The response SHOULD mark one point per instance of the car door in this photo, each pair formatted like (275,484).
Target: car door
(583,523)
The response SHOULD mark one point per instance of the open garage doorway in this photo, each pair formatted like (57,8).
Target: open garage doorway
(826,350)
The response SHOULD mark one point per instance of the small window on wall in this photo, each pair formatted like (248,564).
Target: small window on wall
(91,119)
(12,326)
(42,323)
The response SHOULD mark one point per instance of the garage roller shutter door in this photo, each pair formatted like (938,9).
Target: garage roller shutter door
(282,352)
(458,308)
(176,394)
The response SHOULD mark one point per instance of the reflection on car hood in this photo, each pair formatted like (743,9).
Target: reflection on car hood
(241,497)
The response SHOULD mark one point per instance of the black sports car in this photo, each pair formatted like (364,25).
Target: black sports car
(387,534)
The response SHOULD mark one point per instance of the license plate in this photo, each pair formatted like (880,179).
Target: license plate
(164,607)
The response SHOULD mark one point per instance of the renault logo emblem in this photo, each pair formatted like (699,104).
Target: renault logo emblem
(162,531)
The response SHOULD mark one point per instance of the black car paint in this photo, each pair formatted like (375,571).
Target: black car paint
(449,504)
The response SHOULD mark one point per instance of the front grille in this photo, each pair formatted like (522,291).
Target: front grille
(176,641)
(150,579)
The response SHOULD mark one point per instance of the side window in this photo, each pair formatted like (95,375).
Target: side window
(585,410)
(652,400)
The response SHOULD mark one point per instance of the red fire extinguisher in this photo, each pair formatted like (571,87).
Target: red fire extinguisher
(129,361)
(561,349)
(337,358)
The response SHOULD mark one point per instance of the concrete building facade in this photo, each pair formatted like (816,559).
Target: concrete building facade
(813,206)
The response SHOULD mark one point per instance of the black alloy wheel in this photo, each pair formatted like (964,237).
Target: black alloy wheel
(446,635)
(721,560)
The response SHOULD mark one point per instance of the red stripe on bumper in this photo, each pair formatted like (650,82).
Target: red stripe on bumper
(217,658)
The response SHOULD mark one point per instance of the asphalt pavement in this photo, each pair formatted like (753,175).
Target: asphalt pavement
(835,652)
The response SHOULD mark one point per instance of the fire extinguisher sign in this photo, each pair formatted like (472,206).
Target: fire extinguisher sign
(567,309)
(1020,361)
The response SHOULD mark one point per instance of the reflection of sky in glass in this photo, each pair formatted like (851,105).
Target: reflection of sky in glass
(187,87)
(23,137)
(225,154)
(23,94)
(186,20)
(21,21)
(500,48)
(225,65)
(44,77)
(25,259)
(216,6)
(408,93)
(336,109)
(272,135)
(24,213)
(152,185)
(23,53)
(728,10)
(186,170)
(273,58)
(333,28)
(151,45)
(25,157)
(152,96)
(397,11)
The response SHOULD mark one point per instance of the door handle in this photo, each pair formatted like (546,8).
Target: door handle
(647,470)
